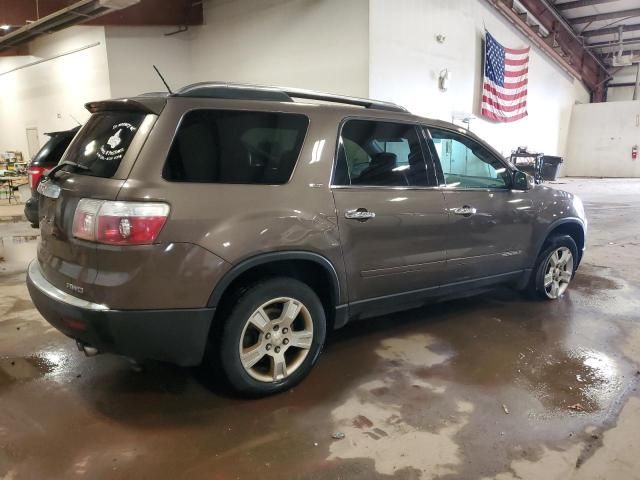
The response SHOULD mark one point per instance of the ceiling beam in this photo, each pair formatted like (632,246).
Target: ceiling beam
(561,45)
(58,20)
(625,53)
(580,4)
(624,84)
(145,13)
(610,30)
(156,12)
(15,51)
(613,43)
(17,13)
(634,12)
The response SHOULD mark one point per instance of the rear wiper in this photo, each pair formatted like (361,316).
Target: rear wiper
(55,169)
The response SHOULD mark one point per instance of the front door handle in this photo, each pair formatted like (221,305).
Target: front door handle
(465,211)
(361,214)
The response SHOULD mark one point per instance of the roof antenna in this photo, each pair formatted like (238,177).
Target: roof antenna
(163,80)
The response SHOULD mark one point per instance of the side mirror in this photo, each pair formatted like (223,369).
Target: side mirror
(522,181)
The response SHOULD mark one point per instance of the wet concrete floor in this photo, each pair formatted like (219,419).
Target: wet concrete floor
(494,386)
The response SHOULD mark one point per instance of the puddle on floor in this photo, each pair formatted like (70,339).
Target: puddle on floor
(22,369)
(594,283)
(582,381)
(16,251)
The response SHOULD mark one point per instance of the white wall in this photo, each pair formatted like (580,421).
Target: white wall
(311,44)
(132,52)
(46,95)
(619,94)
(601,138)
(406,59)
(622,75)
(380,48)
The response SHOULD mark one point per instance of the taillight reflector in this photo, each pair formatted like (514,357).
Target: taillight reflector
(75,324)
(35,175)
(119,223)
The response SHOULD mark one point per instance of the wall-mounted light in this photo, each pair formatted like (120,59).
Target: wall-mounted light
(443,80)
(5,27)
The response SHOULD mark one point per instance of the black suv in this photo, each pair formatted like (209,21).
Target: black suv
(47,158)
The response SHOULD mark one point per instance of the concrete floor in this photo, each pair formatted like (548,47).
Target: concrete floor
(495,386)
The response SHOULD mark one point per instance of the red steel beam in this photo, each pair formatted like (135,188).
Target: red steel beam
(560,46)
(18,12)
(15,51)
(145,13)
(156,12)
(594,75)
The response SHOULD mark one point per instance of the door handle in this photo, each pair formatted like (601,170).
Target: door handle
(465,211)
(361,214)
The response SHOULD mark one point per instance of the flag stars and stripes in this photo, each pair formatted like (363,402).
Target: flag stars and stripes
(504,90)
(495,61)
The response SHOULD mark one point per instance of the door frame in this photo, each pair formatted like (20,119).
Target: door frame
(501,191)
(388,302)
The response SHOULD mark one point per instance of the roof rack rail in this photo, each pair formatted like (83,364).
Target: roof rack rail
(330,97)
(238,91)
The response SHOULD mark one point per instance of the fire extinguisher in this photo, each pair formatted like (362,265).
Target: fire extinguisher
(634,152)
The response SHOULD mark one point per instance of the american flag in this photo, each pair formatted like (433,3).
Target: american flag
(504,91)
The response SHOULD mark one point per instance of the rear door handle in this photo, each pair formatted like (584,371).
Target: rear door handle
(361,214)
(465,211)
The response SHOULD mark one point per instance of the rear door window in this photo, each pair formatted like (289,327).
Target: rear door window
(232,146)
(373,153)
(103,142)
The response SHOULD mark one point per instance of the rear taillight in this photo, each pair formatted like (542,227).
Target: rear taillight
(35,175)
(119,223)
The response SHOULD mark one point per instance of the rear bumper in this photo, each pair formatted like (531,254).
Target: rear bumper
(177,336)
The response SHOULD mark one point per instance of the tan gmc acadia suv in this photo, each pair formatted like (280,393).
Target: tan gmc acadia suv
(232,220)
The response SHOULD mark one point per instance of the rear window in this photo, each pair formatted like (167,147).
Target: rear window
(103,142)
(52,151)
(230,146)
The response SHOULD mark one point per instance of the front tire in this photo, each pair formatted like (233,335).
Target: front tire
(555,268)
(272,336)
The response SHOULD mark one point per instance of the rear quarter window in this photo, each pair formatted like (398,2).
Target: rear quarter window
(230,146)
(103,142)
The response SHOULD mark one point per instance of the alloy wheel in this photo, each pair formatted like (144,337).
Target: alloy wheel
(558,272)
(276,339)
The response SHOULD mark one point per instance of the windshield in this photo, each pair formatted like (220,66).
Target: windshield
(103,142)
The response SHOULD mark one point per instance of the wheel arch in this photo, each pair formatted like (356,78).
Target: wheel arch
(312,268)
(574,227)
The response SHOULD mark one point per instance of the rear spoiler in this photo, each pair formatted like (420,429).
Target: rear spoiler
(71,132)
(150,104)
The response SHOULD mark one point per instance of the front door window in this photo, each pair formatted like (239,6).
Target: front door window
(467,164)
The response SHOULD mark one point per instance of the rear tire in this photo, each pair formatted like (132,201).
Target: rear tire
(554,268)
(272,336)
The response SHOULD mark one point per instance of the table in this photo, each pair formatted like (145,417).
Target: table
(13,183)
